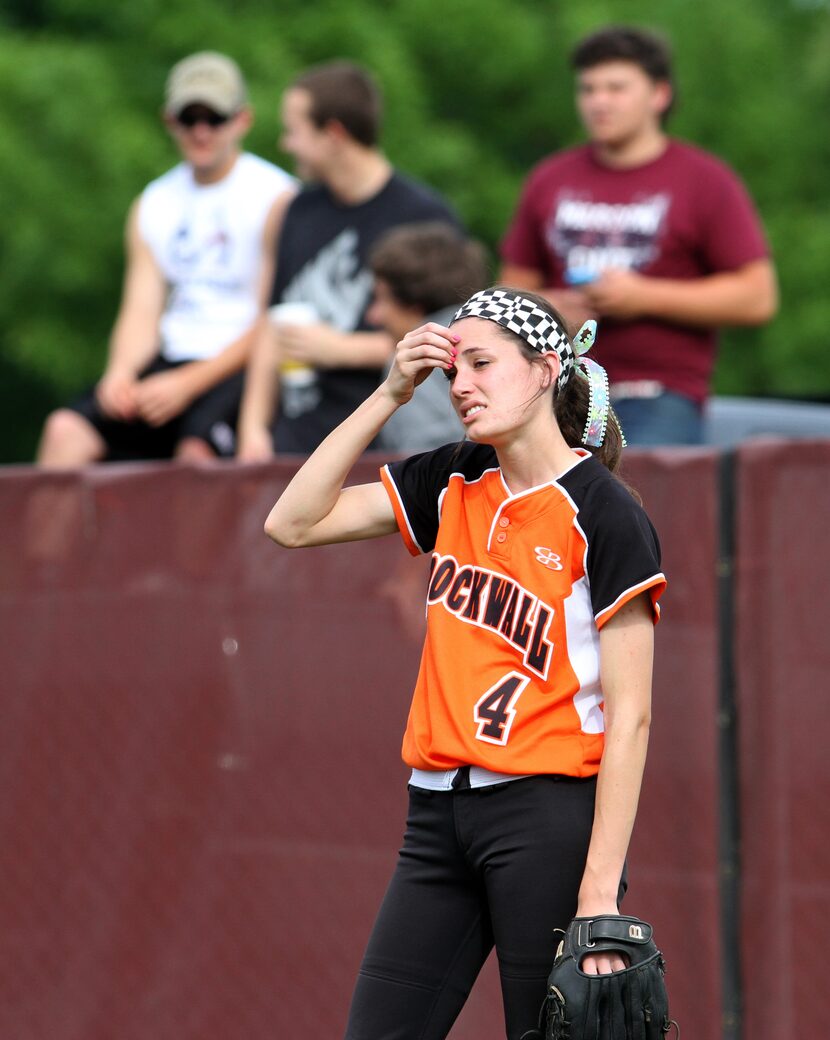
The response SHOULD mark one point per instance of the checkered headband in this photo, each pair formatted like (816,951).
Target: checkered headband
(536,327)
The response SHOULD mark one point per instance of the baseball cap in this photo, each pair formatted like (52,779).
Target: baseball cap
(206,78)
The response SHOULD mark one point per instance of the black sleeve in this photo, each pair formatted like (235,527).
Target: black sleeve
(418,482)
(623,549)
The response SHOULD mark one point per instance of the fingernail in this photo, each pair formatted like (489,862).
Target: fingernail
(455,339)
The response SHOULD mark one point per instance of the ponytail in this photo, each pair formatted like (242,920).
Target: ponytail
(571,410)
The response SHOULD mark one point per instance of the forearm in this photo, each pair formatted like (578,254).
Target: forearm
(618,792)
(356,350)
(729,298)
(626,643)
(133,344)
(208,372)
(299,516)
(259,398)
(135,336)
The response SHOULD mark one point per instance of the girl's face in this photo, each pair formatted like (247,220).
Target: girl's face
(494,388)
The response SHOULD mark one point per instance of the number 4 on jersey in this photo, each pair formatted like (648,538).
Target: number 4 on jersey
(494,711)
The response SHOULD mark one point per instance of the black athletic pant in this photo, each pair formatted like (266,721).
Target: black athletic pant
(478,866)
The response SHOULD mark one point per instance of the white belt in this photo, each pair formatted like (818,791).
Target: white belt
(436,780)
(642,388)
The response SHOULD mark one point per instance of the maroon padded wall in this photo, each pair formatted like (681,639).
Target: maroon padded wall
(783,651)
(200,790)
(674,856)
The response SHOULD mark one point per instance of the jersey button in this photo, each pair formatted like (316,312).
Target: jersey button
(501,537)
(504,522)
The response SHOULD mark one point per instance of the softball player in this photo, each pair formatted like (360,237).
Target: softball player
(528,728)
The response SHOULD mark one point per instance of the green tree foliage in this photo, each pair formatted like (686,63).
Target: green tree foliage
(476,92)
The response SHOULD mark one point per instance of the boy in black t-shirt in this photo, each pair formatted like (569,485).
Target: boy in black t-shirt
(331,119)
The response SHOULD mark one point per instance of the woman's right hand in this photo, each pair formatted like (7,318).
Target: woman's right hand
(418,353)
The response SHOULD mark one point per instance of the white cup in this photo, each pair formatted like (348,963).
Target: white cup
(295,312)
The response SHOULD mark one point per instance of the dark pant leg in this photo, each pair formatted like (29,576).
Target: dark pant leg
(532,841)
(134,439)
(213,416)
(431,937)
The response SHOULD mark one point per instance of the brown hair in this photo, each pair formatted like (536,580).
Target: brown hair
(345,93)
(429,266)
(650,51)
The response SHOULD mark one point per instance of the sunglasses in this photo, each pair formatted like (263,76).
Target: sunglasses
(190,118)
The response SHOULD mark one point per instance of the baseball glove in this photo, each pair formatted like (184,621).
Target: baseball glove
(626,1005)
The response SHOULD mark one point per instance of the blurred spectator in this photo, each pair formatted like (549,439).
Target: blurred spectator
(331,120)
(655,237)
(423,272)
(200,247)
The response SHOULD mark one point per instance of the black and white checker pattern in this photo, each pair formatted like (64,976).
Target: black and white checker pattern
(538,329)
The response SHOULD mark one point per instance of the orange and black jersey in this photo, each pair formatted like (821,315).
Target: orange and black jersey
(519,587)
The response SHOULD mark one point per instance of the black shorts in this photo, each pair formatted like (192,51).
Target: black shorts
(211,418)
(495,866)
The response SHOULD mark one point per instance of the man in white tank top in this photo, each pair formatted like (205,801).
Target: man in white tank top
(200,253)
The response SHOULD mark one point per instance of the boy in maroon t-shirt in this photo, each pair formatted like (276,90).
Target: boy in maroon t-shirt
(658,239)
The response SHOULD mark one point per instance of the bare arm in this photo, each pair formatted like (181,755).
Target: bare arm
(259,397)
(270,237)
(315,508)
(746,296)
(323,346)
(135,336)
(626,655)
